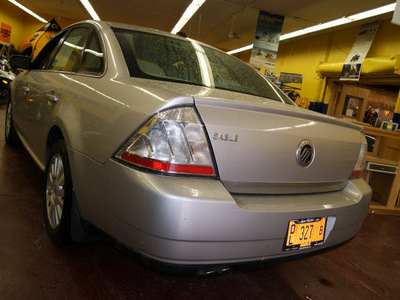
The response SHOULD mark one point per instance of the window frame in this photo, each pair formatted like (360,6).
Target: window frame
(93,34)
(79,60)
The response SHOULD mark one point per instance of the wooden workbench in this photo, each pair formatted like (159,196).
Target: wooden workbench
(385,186)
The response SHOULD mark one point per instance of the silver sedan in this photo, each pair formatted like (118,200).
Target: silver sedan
(180,152)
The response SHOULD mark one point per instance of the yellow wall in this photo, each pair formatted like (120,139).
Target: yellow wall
(20,22)
(23,24)
(304,55)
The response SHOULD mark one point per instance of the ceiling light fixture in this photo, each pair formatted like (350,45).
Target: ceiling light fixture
(189,12)
(360,16)
(249,47)
(90,10)
(28,11)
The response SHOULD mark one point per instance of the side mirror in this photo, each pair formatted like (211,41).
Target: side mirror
(20,62)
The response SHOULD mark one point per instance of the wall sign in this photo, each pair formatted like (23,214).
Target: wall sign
(5,34)
(290,78)
(396,14)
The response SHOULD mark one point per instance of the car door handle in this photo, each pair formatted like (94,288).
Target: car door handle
(52,98)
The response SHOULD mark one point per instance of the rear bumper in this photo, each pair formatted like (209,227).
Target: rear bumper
(197,221)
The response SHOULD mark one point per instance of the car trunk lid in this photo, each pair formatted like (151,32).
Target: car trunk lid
(258,148)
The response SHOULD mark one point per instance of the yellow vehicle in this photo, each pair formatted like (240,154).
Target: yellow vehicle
(32,45)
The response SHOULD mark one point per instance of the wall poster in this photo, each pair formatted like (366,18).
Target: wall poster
(352,66)
(266,41)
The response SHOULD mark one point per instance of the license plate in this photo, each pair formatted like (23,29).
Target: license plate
(305,233)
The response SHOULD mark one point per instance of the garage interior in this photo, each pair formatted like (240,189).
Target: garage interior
(367,267)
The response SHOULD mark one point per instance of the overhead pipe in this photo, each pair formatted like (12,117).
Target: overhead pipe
(371,66)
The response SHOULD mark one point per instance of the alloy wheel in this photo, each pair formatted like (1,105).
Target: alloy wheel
(55,191)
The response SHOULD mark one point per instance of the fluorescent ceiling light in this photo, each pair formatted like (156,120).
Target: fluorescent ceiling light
(189,12)
(241,49)
(373,12)
(28,11)
(360,16)
(90,10)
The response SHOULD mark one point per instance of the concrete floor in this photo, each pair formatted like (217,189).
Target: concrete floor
(31,267)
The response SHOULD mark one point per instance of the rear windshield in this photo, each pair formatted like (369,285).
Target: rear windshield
(164,58)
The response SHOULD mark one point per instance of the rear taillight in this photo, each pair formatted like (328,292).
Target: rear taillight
(173,141)
(360,165)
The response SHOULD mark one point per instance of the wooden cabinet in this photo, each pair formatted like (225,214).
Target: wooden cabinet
(382,172)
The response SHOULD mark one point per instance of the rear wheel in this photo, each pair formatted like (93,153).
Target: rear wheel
(10,134)
(58,195)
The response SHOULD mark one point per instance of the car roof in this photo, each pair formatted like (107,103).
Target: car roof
(106,24)
(109,25)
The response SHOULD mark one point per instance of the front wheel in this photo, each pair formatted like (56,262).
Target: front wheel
(58,195)
(3,96)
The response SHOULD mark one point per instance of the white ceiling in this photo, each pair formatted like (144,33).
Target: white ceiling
(214,21)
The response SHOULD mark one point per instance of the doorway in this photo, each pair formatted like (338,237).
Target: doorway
(351,102)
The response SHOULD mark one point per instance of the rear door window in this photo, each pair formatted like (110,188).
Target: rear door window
(68,56)
(93,58)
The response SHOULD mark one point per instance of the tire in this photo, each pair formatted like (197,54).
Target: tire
(58,195)
(3,97)
(10,134)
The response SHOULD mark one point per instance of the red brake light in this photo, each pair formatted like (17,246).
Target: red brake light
(165,166)
(356,174)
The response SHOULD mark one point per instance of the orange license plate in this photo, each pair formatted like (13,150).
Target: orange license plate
(305,233)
